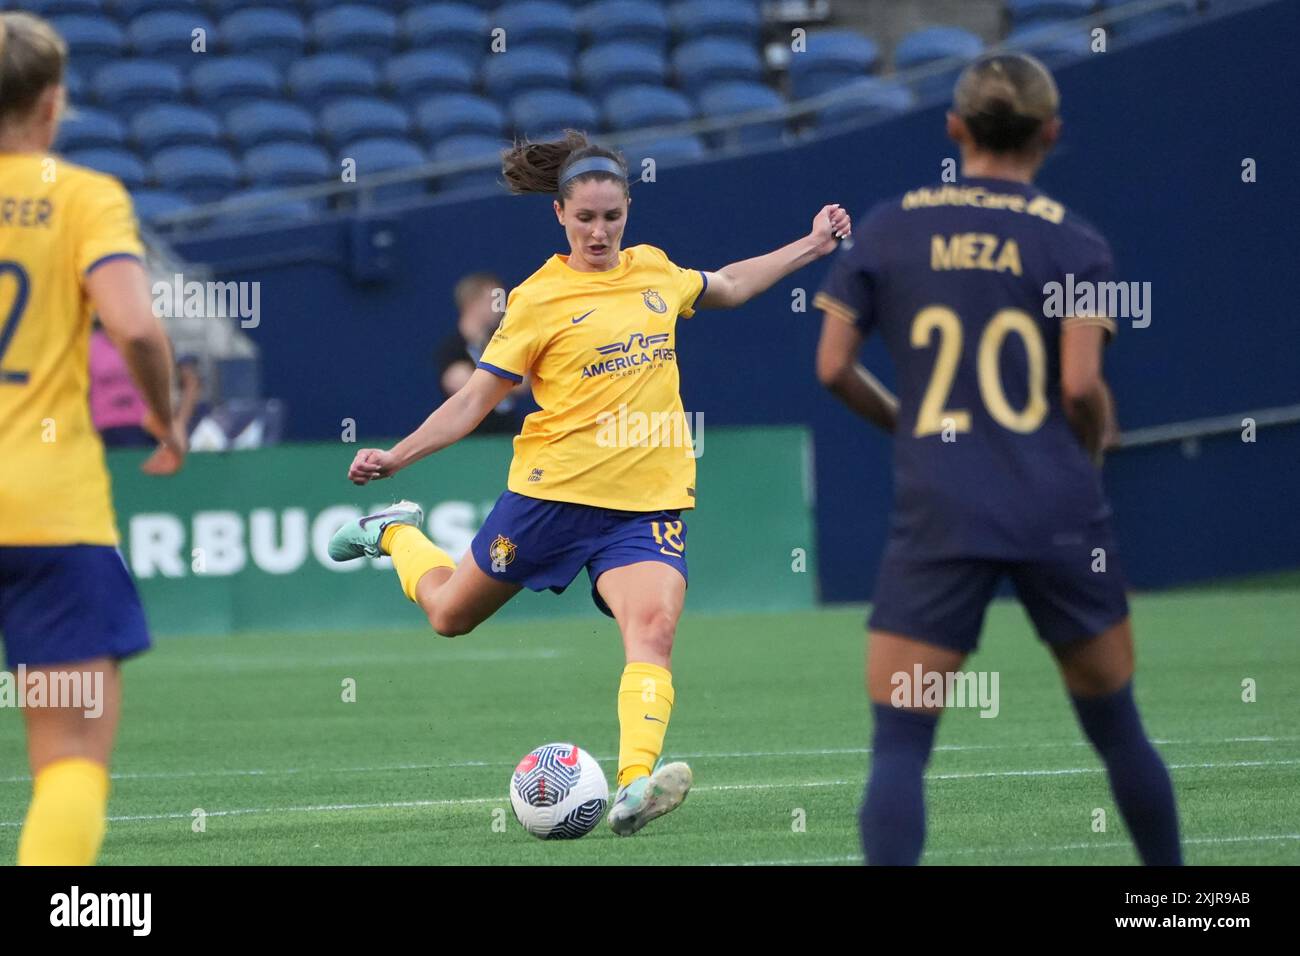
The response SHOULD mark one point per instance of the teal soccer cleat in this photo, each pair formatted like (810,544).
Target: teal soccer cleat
(646,798)
(360,538)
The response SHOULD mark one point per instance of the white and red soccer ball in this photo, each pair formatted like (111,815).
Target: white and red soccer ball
(559,792)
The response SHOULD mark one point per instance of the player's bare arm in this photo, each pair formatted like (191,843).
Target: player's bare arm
(1084,395)
(737,283)
(839,370)
(450,422)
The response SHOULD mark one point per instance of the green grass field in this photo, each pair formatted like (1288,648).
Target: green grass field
(770,713)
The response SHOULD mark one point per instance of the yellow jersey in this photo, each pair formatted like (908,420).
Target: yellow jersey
(601,350)
(58,222)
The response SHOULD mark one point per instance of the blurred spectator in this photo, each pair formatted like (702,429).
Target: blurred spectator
(457,356)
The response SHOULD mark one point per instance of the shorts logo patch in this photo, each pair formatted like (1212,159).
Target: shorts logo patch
(654,301)
(502,552)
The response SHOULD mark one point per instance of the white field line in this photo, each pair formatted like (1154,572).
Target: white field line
(609,759)
(720,788)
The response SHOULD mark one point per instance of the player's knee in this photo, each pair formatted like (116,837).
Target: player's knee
(654,629)
(450,623)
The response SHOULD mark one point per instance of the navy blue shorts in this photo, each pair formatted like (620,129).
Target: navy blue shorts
(67,603)
(942,601)
(544,544)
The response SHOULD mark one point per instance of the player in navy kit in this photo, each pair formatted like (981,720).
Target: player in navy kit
(999,424)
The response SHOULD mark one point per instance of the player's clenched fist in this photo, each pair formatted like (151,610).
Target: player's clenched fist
(370,464)
(832,223)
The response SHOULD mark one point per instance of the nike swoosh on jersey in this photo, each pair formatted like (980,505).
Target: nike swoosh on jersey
(581,317)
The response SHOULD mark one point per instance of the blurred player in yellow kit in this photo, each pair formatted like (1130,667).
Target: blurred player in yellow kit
(68,250)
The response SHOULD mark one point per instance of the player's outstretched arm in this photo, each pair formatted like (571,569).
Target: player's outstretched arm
(119,291)
(739,282)
(839,370)
(450,422)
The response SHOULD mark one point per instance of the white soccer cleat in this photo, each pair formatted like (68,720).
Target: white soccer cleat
(360,538)
(646,798)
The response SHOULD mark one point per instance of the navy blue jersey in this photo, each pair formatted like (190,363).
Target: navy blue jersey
(952,276)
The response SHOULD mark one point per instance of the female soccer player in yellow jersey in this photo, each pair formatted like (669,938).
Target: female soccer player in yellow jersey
(596,331)
(68,609)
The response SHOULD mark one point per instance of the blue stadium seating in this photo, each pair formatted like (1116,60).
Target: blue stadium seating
(129,9)
(665,152)
(1153,23)
(866,100)
(288,164)
(726,19)
(226,82)
(454,28)
(348,28)
(130,85)
(89,128)
(733,98)
(266,121)
(200,173)
(221,8)
(60,8)
(604,67)
(326,76)
(1051,43)
(277,36)
(465,148)
(931,45)
(700,63)
(74,84)
(125,165)
(152,203)
(169,36)
(543,111)
(538,23)
(459,114)
(422,73)
(629,21)
(362,117)
(158,127)
(831,59)
(385,154)
(636,107)
(1025,12)
(93,41)
(526,69)
(281,212)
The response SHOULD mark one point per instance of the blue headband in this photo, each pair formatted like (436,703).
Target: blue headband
(592,164)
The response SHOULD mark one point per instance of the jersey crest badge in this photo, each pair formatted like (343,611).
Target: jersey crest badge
(654,301)
(502,552)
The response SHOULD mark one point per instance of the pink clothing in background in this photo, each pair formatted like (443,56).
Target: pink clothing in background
(114,399)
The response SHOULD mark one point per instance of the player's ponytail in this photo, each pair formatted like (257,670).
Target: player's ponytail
(1005,98)
(549,167)
(32,58)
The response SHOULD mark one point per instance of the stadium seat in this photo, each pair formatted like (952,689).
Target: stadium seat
(544,111)
(226,82)
(455,28)
(459,114)
(130,85)
(538,24)
(635,107)
(866,100)
(724,19)
(221,8)
(151,203)
(700,63)
(288,164)
(932,45)
(326,76)
(423,73)
(126,166)
(75,85)
(93,41)
(273,35)
(169,36)
(266,121)
(627,21)
(458,148)
(361,31)
(166,125)
(383,155)
(61,8)
(130,9)
(1023,13)
(238,209)
(1054,44)
(391,6)
(665,152)
(525,70)
(832,59)
(361,117)
(90,129)
(605,67)
(734,98)
(200,173)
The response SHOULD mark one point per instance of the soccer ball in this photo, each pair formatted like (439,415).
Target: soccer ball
(559,792)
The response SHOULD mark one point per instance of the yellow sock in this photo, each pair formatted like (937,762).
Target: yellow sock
(65,822)
(414,555)
(645,702)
